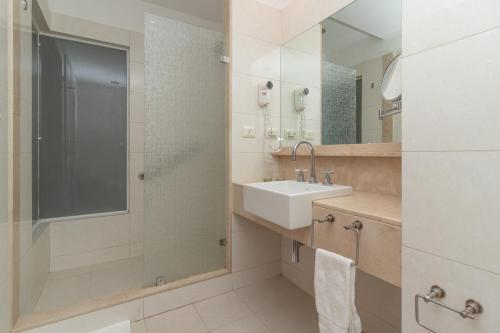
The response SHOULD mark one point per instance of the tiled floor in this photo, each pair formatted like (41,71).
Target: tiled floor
(70,287)
(272,306)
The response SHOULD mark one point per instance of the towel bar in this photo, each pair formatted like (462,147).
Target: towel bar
(471,307)
(356,226)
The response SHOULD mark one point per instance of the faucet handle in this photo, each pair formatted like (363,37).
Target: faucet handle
(300,177)
(327,180)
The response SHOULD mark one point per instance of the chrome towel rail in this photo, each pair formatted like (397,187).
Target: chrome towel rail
(471,309)
(356,226)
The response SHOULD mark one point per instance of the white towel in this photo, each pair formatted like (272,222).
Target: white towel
(334,279)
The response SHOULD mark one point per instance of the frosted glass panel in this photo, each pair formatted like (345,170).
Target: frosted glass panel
(185,162)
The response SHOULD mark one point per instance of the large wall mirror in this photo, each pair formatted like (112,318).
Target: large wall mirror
(341,79)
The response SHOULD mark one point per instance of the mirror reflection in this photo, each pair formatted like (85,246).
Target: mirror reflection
(341,79)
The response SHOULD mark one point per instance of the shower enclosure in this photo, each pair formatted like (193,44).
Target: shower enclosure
(114,204)
(185,150)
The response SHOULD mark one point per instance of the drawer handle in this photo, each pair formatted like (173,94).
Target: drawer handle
(471,307)
(356,226)
(328,219)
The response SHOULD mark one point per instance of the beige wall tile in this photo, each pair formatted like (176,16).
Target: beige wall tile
(79,27)
(137,107)
(34,270)
(461,282)
(257,20)
(75,260)
(136,47)
(460,94)
(430,23)
(255,57)
(136,167)
(136,228)
(367,174)
(256,274)
(75,236)
(136,198)
(254,248)
(451,200)
(137,137)
(136,76)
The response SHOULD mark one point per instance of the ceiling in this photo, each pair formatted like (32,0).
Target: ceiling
(211,10)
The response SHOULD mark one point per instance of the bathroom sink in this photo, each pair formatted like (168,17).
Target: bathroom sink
(288,203)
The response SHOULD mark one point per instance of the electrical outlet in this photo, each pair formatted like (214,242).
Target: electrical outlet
(290,133)
(271,133)
(308,135)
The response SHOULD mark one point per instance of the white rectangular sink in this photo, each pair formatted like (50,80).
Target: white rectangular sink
(288,203)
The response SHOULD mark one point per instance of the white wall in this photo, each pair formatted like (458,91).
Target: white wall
(256,39)
(451,159)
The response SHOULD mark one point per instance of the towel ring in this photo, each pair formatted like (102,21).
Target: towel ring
(356,226)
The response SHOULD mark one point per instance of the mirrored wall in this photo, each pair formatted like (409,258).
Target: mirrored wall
(332,76)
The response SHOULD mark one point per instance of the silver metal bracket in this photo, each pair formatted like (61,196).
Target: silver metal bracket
(382,113)
(356,226)
(224,59)
(296,251)
(471,309)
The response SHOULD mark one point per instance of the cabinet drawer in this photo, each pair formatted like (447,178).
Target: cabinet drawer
(380,243)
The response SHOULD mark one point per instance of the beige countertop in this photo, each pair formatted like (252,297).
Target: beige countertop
(382,208)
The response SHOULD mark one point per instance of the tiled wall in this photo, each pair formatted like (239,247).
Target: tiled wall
(256,39)
(81,242)
(451,158)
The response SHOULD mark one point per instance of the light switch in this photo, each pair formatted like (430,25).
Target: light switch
(248,132)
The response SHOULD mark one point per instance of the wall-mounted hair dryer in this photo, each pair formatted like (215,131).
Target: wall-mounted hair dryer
(264,97)
(300,99)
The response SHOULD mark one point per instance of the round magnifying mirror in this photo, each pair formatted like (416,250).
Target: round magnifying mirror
(391,82)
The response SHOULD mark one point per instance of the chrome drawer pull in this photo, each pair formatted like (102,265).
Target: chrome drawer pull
(471,309)
(328,219)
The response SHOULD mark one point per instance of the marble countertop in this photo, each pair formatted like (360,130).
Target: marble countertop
(382,208)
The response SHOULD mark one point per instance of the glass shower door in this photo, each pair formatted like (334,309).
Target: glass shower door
(185,150)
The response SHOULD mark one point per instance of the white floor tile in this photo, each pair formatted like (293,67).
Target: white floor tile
(247,325)
(281,306)
(138,327)
(182,320)
(222,310)
(72,286)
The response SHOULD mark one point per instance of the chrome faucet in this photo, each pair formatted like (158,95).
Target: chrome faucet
(312,177)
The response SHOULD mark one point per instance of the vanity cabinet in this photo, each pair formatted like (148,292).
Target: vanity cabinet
(379,243)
